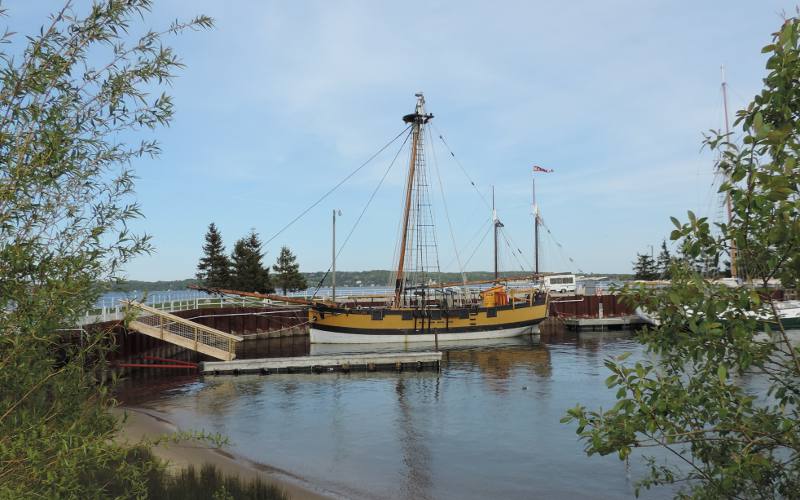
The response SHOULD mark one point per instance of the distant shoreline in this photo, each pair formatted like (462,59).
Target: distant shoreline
(145,424)
(378,277)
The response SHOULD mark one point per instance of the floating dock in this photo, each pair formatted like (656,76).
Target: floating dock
(318,364)
(603,324)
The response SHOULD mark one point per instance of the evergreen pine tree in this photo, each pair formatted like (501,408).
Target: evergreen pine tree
(664,261)
(288,276)
(249,274)
(644,268)
(214,268)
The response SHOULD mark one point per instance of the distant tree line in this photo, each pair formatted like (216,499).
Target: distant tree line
(647,267)
(383,277)
(377,277)
(142,286)
(243,270)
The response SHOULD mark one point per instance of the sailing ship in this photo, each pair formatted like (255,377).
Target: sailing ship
(420,310)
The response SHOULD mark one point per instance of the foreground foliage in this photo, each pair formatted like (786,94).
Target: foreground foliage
(209,482)
(67,102)
(717,398)
(191,484)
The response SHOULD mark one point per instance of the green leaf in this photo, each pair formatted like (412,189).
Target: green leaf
(722,373)
(676,222)
(758,124)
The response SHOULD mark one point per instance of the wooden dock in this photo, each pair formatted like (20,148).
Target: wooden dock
(603,324)
(318,364)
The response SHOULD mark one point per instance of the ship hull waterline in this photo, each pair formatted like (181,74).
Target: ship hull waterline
(327,337)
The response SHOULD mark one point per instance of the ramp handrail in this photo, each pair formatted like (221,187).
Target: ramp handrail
(199,335)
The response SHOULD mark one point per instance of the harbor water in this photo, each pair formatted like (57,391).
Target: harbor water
(485,426)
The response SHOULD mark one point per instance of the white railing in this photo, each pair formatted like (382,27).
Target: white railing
(117,312)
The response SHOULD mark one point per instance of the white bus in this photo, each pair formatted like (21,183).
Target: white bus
(562,283)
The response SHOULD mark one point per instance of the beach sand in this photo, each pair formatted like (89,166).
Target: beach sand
(145,424)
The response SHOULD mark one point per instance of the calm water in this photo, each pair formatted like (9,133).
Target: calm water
(486,426)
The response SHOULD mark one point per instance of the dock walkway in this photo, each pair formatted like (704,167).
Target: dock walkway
(338,362)
(603,324)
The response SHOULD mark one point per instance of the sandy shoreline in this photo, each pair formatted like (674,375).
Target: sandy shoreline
(141,424)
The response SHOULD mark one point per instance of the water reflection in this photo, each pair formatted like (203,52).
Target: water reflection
(485,426)
(416,478)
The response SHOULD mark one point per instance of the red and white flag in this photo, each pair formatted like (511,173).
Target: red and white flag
(537,168)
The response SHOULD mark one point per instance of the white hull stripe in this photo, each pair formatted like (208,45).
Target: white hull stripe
(328,337)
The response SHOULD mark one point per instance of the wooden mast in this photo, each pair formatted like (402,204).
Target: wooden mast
(497,225)
(416,119)
(535,227)
(494,221)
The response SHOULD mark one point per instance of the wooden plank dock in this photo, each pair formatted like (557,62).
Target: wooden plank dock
(317,364)
(603,324)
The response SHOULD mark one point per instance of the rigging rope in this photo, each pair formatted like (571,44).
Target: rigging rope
(363,211)
(441,136)
(506,237)
(488,230)
(485,201)
(446,211)
(334,188)
(560,247)
(471,239)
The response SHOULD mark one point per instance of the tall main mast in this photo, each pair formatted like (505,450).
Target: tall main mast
(417,119)
(535,227)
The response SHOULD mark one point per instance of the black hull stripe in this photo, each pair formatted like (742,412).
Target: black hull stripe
(389,331)
(453,313)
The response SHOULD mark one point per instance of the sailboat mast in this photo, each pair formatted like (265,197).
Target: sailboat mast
(494,220)
(333,259)
(416,119)
(728,201)
(535,227)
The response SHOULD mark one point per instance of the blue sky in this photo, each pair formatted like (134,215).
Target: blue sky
(281,100)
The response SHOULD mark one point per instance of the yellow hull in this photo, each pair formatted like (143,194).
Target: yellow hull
(343,325)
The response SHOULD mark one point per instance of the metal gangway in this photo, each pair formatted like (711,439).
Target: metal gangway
(182,332)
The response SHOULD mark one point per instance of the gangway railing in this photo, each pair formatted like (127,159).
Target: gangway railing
(182,332)
(116,312)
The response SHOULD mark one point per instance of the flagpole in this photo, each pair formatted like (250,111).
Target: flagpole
(535,229)
(536,168)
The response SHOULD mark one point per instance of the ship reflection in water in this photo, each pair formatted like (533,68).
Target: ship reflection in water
(486,426)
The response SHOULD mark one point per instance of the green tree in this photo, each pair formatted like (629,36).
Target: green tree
(82,86)
(214,267)
(644,268)
(249,274)
(287,272)
(721,398)
(664,262)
